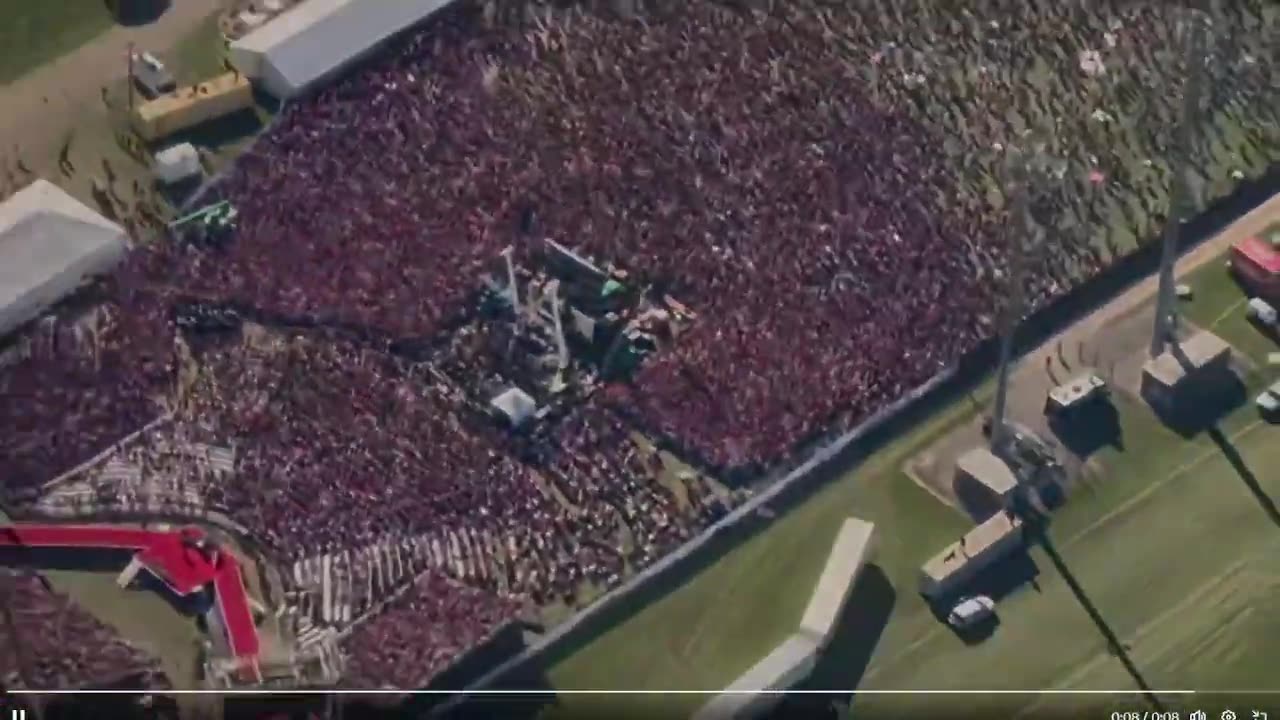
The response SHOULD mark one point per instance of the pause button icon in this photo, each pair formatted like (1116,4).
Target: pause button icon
(16,714)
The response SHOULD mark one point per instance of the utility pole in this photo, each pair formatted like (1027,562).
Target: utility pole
(1166,320)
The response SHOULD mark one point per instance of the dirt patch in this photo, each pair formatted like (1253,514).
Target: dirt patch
(63,106)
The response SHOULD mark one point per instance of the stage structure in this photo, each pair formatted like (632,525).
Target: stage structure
(550,327)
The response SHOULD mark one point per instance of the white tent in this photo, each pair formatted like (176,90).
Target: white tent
(515,405)
(177,163)
(49,243)
(756,691)
(312,41)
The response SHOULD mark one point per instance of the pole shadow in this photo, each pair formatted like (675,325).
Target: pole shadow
(1242,469)
(1116,648)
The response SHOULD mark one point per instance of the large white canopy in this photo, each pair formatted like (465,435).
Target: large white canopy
(316,39)
(49,243)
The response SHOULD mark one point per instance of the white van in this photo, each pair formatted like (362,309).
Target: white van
(1261,312)
(151,74)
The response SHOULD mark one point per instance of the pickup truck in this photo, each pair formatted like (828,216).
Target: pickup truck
(151,75)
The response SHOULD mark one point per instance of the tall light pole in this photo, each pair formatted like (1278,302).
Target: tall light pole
(1019,239)
(1165,323)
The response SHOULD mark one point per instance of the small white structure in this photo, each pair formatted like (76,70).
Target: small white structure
(980,472)
(152,75)
(177,163)
(316,39)
(1185,371)
(1261,312)
(1268,401)
(789,663)
(1076,393)
(49,244)
(853,547)
(515,405)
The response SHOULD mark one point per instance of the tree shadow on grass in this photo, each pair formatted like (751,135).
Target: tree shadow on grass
(135,13)
(1115,647)
(1250,480)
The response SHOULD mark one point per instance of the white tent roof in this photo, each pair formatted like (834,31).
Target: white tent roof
(848,556)
(177,163)
(49,243)
(317,38)
(516,405)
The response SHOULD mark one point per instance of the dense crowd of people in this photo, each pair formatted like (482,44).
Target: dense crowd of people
(78,382)
(61,646)
(421,632)
(711,155)
(815,183)
(739,160)
(339,447)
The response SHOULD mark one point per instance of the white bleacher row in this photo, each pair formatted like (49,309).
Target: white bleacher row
(338,589)
(319,647)
(161,470)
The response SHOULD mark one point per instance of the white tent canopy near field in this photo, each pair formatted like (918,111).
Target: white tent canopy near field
(49,243)
(317,39)
(177,164)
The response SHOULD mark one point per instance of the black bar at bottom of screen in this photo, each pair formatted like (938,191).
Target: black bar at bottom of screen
(1137,705)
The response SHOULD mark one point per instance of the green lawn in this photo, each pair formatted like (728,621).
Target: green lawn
(33,32)
(199,54)
(143,617)
(1167,544)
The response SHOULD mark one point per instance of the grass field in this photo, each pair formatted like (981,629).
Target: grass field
(1169,549)
(144,617)
(33,32)
(199,54)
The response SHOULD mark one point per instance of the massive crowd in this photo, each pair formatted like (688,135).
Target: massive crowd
(421,632)
(713,155)
(737,160)
(339,447)
(61,646)
(799,178)
(78,382)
